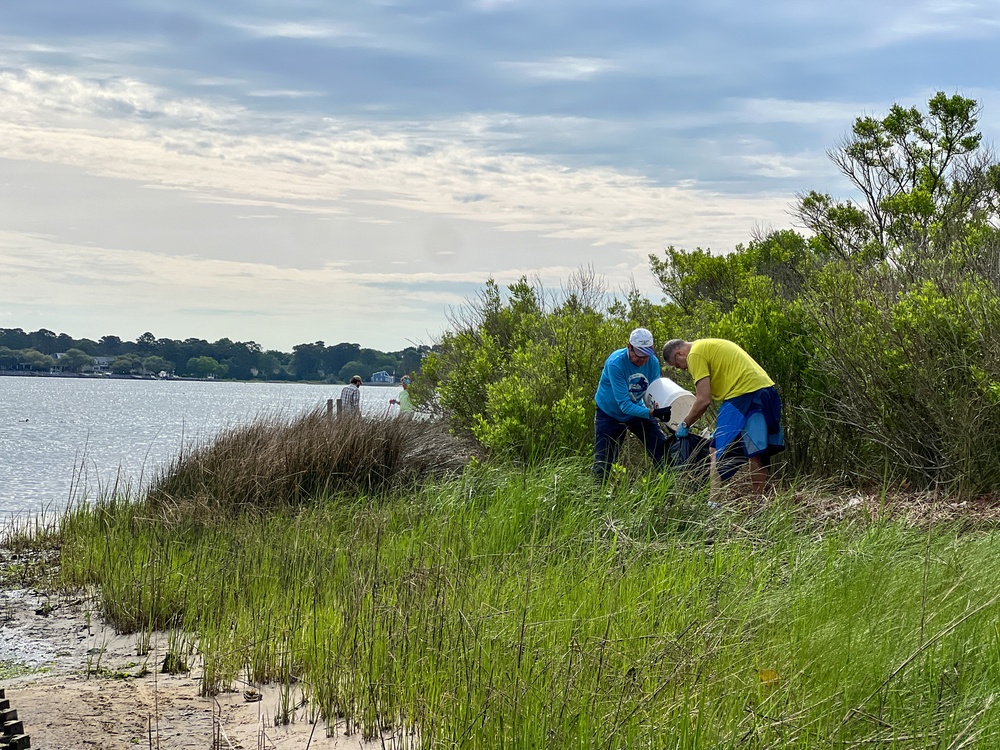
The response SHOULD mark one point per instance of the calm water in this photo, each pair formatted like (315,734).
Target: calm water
(56,433)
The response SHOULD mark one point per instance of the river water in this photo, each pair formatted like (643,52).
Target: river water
(63,438)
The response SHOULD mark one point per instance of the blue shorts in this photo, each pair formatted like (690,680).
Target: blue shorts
(748,426)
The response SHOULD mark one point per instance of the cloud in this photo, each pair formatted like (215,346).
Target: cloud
(283,94)
(97,283)
(44,99)
(802,112)
(563,68)
(946,19)
(779,165)
(489,6)
(125,129)
(301,30)
(88,287)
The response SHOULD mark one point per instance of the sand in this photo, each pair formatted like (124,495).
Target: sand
(75,683)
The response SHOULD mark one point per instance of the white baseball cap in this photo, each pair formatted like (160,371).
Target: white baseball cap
(642,341)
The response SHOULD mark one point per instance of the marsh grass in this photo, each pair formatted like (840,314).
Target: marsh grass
(531,608)
(279,462)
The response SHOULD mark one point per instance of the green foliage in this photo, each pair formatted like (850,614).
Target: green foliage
(75,360)
(752,296)
(528,609)
(157,365)
(519,370)
(125,364)
(35,360)
(533,411)
(922,182)
(205,367)
(242,360)
(9,358)
(879,329)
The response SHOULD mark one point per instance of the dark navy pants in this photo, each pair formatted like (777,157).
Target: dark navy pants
(608,436)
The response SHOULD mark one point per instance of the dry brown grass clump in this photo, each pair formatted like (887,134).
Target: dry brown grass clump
(279,462)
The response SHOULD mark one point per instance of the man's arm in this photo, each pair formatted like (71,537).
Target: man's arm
(702,400)
(619,389)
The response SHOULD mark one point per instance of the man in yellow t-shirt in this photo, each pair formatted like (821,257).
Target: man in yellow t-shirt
(748,427)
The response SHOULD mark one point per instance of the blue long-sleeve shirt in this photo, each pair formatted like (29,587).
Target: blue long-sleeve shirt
(622,386)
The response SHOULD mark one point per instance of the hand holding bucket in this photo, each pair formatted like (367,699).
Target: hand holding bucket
(665,392)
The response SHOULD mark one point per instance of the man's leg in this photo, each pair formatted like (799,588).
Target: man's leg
(758,475)
(755,445)
(714,480)
(608,435)
(652,437)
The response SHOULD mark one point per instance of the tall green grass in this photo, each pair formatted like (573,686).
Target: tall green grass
(516,609)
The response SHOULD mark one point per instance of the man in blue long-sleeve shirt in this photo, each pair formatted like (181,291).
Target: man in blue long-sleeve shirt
(620,407)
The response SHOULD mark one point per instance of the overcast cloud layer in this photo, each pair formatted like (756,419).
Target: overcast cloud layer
(300,170)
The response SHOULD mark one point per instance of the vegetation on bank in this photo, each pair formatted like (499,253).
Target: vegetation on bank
(279,462)
(531,608)
(240,360)
(463,582)
(881,329)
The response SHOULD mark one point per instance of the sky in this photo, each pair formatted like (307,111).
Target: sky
(305,170)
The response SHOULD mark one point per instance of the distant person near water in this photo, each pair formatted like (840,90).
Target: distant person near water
(405,404)
(350,397)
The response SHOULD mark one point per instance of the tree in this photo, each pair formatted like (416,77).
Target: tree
(518,369)
(204,367)
(352,368)
(338,355)
(9,358)
(14,338)
(88,346)
(307,361)
(411,358)
(75,360)
(111,346)
(242,358)
(125,364)
(44,340)
(268,366)
(145,345)
(921,178)
(157,365)
(36,360)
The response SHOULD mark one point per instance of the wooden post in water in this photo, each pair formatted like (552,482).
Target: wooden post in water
(329,408)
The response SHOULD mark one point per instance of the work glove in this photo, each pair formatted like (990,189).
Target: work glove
(682,430)
(662,413)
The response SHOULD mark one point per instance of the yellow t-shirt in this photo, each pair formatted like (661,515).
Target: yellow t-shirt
(733,372)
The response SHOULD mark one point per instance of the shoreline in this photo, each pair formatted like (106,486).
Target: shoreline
(74,682)
(175,378)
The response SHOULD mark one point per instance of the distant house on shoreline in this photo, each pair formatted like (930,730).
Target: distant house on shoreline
(382,377)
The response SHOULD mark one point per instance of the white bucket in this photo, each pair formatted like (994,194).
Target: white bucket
(665,392)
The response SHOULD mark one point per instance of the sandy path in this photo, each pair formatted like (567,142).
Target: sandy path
(49,651)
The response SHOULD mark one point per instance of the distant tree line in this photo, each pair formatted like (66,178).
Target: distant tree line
(45,350)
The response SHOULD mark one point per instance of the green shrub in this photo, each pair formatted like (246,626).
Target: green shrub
(519,373)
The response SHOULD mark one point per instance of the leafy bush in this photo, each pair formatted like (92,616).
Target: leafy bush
(878,329)
(519,372)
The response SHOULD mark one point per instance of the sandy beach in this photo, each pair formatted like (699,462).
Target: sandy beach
(75,683)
